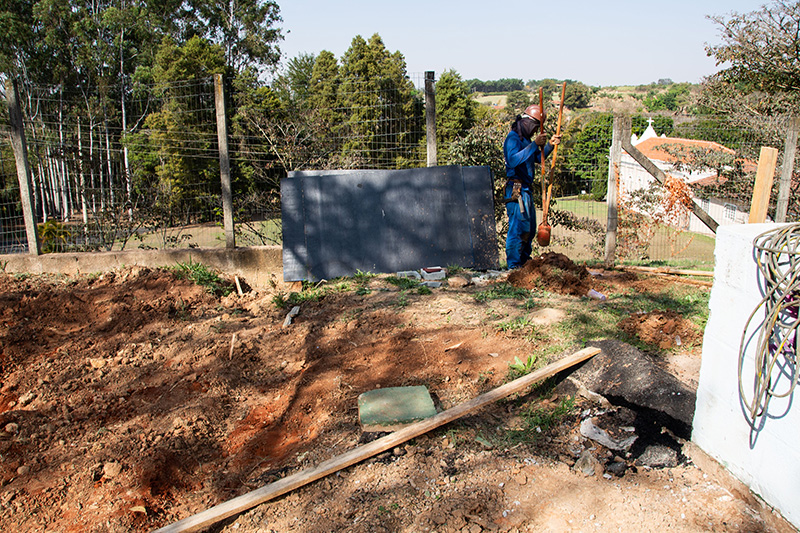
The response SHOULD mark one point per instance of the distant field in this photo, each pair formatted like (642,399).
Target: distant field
(498,100)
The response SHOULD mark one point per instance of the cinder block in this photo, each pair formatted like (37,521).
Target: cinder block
(433,273)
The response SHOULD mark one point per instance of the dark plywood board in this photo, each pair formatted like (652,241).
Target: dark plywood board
(338,222)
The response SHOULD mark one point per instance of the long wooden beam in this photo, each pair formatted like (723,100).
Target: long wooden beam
(287,484)
(659,175)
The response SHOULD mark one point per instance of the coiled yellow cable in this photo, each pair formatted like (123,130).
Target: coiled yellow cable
(776,370)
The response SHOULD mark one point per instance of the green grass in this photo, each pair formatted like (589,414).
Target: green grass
(502,291)
(203,276)
(537,421)
(403,283)
(589,321)
(311,292)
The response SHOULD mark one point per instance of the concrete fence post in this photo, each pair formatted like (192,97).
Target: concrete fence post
(789,151)
(430,117)
(20,148)
(224,162)
(622,127)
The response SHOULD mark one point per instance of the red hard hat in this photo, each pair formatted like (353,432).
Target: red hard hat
(534,111)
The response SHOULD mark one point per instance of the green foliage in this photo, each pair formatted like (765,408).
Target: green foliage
(503,85)
(585,150)
(502,291)
(310,293)
(54,237)
(517,101)
(403,283)
(519,368)
(203,276)
(378,93)
(675,98)
(455,110)
(549,87)
(537,421)
(577,96)
(516,324)
(759,49)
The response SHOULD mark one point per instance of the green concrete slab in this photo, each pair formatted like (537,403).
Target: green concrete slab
(394,408)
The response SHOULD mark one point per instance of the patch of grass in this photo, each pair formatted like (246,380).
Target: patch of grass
(589,322)
(501,291)
(402,299)
(203,276)
(519,368)
(310,293)
(516,324)
(454,269)
(537,421)
(403,283)
(362,278)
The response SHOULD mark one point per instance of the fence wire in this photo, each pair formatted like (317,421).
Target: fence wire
(139,167)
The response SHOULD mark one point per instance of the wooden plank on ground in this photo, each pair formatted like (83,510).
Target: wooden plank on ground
(356,455)
(667,270)
(767,162)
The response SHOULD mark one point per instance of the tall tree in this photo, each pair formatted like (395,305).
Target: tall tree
(455,109)
(378,97)
(246,30)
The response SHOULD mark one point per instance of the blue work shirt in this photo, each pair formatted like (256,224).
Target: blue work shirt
(521,155)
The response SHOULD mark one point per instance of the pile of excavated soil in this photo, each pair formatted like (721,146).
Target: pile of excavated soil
(553,272)
(665,329)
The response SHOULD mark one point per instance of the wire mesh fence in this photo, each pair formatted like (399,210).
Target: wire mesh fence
(139,166)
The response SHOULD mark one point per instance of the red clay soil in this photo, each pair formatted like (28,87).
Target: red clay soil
(553,272)
(665,329)
(130,400)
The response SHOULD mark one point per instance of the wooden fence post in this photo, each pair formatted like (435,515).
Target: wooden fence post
(789,150)
(430,117)
(767,161)
(224,163)
(622,127)
(23,168)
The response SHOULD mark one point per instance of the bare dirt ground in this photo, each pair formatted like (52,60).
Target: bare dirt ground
(133,399)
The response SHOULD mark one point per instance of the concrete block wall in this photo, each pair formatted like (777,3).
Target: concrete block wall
(767,460)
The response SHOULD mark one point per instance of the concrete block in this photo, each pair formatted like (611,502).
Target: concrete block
(394,408)
(765,457)
(433,273)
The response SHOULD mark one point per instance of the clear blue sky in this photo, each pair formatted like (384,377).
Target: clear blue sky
(614,42)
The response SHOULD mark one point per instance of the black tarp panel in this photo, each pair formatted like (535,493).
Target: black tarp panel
(338,222)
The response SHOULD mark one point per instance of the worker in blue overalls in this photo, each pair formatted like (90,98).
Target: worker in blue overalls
(522,151)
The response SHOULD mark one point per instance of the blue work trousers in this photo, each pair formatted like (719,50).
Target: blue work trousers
(520,225)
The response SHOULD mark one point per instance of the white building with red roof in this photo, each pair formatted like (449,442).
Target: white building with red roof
(662,150)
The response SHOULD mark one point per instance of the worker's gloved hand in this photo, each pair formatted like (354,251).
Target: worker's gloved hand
(555,140)
(540,140)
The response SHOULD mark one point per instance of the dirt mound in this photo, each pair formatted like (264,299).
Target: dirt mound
(553,272)
(665,329)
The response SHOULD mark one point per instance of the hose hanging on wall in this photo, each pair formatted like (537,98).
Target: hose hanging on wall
(775,354)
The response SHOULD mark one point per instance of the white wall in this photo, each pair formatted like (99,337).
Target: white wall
(767,461)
